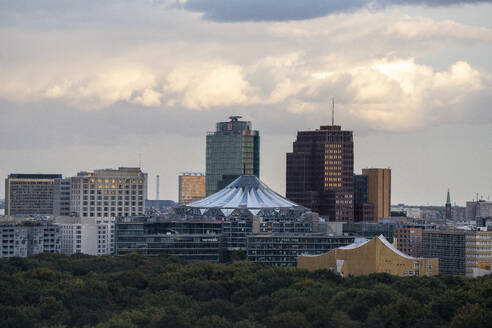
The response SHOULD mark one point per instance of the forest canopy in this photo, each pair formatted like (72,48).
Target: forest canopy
(54,290)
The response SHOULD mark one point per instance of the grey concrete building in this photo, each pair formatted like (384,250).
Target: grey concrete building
(28,238)
(449,247)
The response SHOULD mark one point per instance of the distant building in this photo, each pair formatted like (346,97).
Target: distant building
(29,194)
(61,197)
(379,191)
(91,236)
(320,172)
(191,240)
(370,229)
(28,238)
(478,253)
(478,209)
(409,240)
(191,187)
(448,247)
(232,150)
(363,210)
(108,193)
(376,255)
(283,249)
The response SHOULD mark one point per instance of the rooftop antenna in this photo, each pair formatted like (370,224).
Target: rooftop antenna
(139,160)
(332,111)
(157,188)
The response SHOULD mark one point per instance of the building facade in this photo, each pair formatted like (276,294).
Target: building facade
(379,191)
(320,172)
(478,209)
(28,238)
(61,197)
(376,255)
(478,253)
(232,150)
(30,194)
(91,236)
(449,247)
(283,249)
(363,210)
(191,240)
(108,193)
(191,187)
(409,240)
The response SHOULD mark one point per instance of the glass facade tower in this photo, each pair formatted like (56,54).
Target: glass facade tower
(232,150)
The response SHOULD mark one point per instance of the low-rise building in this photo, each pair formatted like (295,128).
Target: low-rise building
(191,240)
(28,238)
(376,255)
(284,249)
(92,236)
(449,247)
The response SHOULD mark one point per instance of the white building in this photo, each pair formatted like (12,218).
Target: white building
(92,236)
(108,193)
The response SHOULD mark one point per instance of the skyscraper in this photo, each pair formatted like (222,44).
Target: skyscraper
(379,187)
(27,194)
(191,187)
(320,172)
(232,150)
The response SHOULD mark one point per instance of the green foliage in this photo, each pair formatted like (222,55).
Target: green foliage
(136,291)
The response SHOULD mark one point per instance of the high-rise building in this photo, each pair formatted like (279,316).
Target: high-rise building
(320,172)
(448,213)
(478,209)
(232,150)
(29,194)
(379,191)
(363,210)
(109,193)
(191,187)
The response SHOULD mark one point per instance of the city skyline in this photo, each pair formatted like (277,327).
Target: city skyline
(412,81)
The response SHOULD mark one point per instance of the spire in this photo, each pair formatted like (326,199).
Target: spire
(332,111)
(448,198)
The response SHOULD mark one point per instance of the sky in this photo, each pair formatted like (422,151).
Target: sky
(102,84)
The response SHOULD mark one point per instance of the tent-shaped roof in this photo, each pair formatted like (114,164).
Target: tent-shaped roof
(247,191)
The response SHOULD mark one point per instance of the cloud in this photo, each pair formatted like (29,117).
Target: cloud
(274,10)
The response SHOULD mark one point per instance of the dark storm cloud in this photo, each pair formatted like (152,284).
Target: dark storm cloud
(276,10)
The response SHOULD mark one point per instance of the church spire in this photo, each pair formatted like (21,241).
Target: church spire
(448,198)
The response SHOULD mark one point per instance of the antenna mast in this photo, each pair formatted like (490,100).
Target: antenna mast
(332,111)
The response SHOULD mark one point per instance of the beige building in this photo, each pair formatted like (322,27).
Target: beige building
(108,193)
(379,191)
(376,255)
(191,187)
(478,250)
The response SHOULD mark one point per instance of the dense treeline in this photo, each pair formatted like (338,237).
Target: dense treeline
(135,291)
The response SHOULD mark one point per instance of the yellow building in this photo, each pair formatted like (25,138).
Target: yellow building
(376,255)
(191,187)
(379,191)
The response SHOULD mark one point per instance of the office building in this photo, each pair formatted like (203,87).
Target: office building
(108,193)
(29,194)
(191,240)
(478,253)
(22,239)
(91,236)
(379,191)
(448,247)
(363,210)
(376,255)
(478,209)
(232,150)
(61,197)
(282,249)
(409,240)
(320,172)
(191,187)
(371,229)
